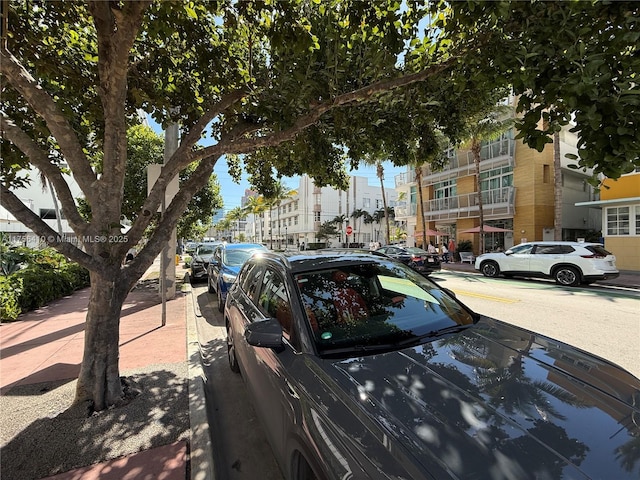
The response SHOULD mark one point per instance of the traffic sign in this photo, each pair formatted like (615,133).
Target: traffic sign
(349,230)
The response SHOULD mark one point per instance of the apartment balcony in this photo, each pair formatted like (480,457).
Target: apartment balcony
(405,178)
(495,150)
(402,212)
(492,155)
(496,203)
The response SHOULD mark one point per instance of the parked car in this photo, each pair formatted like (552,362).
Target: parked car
(225,265)
(359,367)
(417,258)
(190,247)
(200,260)
(568,263)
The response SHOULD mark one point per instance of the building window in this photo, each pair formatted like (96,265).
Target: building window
(618,221)
(316,216)
(366,203)
(546,174)
(295,220)
(48,214)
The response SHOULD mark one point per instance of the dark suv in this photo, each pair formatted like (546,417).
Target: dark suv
(360,367)
(200,260)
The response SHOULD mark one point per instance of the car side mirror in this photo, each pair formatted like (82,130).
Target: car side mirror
(266,334)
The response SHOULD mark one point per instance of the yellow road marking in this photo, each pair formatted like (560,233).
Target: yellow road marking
(486,297)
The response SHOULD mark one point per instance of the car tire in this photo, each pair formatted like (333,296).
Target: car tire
(231,352)
(220,302)
(490,269)
(567,276)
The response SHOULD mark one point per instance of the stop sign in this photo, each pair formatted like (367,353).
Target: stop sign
(349,230)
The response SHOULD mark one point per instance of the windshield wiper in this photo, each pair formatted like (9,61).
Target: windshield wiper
(431,334)
(393,345)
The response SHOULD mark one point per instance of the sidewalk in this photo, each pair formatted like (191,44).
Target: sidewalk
(44,349)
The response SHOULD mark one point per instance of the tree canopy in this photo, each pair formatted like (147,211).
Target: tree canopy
(282,88)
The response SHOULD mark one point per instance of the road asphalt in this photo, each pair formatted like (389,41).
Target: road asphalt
(166,437)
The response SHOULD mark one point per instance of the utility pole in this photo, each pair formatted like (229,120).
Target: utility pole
(167,256)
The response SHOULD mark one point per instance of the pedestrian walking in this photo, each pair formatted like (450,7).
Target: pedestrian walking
(445,253)
(452,248)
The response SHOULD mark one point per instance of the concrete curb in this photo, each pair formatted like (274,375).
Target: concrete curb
(201,449)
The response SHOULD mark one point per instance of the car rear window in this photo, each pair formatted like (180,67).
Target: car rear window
(598,250)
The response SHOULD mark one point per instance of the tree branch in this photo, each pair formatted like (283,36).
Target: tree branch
(239,142)
(12,203)
(10,131)
(45,107)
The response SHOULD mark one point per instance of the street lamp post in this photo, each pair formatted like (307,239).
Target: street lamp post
(286,237)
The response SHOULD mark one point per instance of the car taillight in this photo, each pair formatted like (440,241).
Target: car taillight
(593,256)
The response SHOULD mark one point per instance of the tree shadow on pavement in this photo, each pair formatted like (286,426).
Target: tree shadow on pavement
(43,434)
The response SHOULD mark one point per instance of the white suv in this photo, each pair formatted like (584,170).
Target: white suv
(568,263)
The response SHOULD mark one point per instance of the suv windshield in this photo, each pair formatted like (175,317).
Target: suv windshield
(235,258)
(368,307)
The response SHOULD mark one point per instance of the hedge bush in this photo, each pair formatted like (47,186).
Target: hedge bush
(45,276)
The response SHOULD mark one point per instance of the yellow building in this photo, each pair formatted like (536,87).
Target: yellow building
(517,185)
(620,204)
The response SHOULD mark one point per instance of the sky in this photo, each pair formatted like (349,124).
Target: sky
(232,193)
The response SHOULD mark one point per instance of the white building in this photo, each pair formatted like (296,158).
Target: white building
(297,219)
(41,200)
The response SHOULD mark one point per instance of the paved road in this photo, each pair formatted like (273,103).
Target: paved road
(602,320)
(241,450)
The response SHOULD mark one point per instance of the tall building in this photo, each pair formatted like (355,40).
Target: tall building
(517,185)
(297,219)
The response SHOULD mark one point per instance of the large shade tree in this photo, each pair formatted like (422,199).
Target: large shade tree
(281,86)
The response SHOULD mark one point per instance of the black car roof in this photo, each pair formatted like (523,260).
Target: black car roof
(321,259)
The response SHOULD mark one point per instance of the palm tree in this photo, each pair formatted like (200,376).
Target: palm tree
(280,193)
(235,215)
(485,127)
(368,220)
(224,225)
(256,206)
(380,173)
(557,188)
(339,222)
(378,216)
(428,149)
(356,215)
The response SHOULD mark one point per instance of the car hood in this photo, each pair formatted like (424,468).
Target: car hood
(498,402)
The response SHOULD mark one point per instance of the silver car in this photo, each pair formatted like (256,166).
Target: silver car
(568,263)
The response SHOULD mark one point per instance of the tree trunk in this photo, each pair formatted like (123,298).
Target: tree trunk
(380,171)
(99,379)
(421,207)
(475,149)
(557,189)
